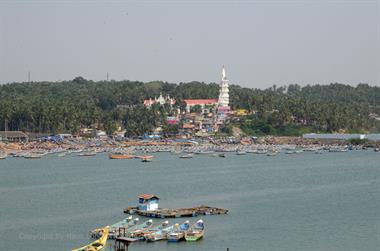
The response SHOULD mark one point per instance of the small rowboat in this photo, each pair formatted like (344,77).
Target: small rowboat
(87,154)
(196,231)
(146,158)
(98,244)
(121,156)
(160,234)
(33,156)
(186,156)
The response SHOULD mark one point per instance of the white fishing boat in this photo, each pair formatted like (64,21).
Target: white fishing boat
(241,153)
(187,156)
(179,232)
(161,234)
(33,156)
(87,154)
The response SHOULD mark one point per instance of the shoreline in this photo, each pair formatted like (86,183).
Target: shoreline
(266,142)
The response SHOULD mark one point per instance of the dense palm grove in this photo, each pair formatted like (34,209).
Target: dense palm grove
(70,105)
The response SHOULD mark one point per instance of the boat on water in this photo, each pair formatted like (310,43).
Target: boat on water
(62,154)
(33,156)
(272,153)
(121,156)
(241,153)
(158,235)
(338,149)
(19,154)
(179,232)
(142,233)
(222,155)
(261,151)
(196,231)
(146,158)
(98,244)
(3,155)
(187,156)
(87,154)
(133,231)
(126,223)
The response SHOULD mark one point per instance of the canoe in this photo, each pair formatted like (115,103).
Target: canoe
(196,231)
(98,244)
(179,232)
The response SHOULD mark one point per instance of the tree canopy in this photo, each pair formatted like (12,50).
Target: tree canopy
(69,105)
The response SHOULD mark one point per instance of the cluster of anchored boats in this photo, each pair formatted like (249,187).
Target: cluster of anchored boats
(146,231)
(150,231)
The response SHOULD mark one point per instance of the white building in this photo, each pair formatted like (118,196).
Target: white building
(160,100)
(148,202)
(224,97)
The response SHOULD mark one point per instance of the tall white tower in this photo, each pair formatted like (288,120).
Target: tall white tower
(224,97)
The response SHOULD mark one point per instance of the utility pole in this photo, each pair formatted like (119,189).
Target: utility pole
(107,76)
(28,76)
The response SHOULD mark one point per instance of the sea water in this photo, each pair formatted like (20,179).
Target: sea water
(303,201)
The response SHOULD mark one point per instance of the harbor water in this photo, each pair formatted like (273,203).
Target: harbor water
(287,202)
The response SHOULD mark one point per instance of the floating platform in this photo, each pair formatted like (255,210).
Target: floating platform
(176,213)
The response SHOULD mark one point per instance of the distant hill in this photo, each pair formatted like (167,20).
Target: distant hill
(289,110)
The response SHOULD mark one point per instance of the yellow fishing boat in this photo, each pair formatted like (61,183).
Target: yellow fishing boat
(97,245)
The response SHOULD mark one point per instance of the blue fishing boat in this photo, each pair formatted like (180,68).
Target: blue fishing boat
(179,232)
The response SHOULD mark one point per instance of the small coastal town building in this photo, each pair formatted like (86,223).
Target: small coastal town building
(160,100)
(148,202)
(13,136)
(201,102)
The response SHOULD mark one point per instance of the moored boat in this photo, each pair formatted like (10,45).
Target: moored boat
(33,156)
(186,156)
(179,232)
(98,244)
(241,153)
(3,155)
(126,223)
(161,234)
(195,232)
(87,154)
(121,156)
(146,158)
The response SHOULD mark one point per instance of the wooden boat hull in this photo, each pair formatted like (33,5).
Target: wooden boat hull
(120,156)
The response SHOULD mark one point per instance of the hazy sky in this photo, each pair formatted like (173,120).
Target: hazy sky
(261,42)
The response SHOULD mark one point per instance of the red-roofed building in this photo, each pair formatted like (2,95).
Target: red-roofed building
(201,102)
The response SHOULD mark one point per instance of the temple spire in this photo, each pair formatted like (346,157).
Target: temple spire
(223,90)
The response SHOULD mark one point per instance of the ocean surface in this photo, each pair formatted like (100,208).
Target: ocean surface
(306,201)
